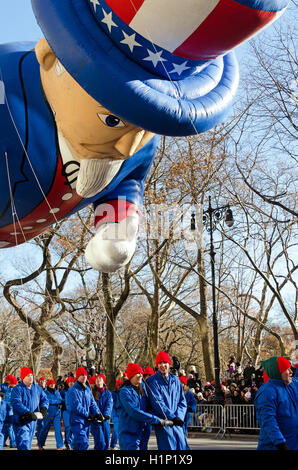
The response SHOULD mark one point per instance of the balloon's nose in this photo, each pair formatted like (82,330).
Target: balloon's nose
(132,141)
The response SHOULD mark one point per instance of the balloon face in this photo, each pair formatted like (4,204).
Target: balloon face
(91,131)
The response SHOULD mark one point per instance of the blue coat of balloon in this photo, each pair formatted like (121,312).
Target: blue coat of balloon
(167,401)
(133,415)
(23,400)
(29,140)
(277,413)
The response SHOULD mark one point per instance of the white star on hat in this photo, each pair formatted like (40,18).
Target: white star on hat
(155,57)
(95,3)
(130,41)
(179,68)
(108,20)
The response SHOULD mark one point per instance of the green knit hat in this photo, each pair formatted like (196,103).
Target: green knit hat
(275,366)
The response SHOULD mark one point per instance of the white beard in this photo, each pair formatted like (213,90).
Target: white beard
(93,175)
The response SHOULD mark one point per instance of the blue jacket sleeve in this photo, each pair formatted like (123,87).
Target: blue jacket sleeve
(75,405)
(17,401)
(107,410)
(182,405)
(191,402)
(128,404)
(266,407)
(43,402)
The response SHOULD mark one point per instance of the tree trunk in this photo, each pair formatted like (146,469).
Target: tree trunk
(154,326)
(36,352)
(110,350)
(56,364)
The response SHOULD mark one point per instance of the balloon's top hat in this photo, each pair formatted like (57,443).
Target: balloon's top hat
(164,65)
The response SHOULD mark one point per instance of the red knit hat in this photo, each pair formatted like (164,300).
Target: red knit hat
(148,371)
(50,382)
(265,377)
(283,364)
(91,380)
(13,380)
(25,371)
(102,376)
(41,378)
(7,378)
(118,382)
(70,379)
(133,369)
(162,357)
(183,379)
(81,371)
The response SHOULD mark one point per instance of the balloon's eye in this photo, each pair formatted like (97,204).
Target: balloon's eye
(111,120)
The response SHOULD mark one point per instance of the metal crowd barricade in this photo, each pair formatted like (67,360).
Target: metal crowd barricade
(222,418)
(208,417)
(240,417)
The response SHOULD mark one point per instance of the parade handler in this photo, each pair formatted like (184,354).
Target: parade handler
(29,403)
(167,400)
(133,410)
(276,404)
(79,109)
(82,410)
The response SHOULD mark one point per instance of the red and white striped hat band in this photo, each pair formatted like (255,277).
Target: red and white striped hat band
(198,30)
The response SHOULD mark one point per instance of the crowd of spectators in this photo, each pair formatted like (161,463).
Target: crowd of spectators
(238,385)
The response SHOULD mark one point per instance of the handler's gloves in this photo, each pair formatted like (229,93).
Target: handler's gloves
(177,421)
(27,417)
(166,422)
(98,417)
(282,446)
(44,411)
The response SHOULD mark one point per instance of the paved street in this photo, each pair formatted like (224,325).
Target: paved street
(201,441)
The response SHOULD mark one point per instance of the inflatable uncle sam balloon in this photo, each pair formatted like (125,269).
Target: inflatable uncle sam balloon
(79,110)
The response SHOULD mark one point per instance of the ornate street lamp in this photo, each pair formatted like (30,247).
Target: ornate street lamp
(210,217)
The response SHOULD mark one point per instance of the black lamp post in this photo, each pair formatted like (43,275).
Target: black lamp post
(210,217)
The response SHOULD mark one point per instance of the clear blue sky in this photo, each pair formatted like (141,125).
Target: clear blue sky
(17,21)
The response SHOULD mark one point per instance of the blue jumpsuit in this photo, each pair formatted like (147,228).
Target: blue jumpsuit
(167,401)
(52,419)
(80,404)
(23,400)
(276,407)
(8,431)
(3,417)
(146,433)
(40,422)
(66,418)
(101,431)
(115,419)
(132,417)
(191,408)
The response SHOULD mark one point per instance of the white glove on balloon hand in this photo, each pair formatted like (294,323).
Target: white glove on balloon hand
(113,245)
